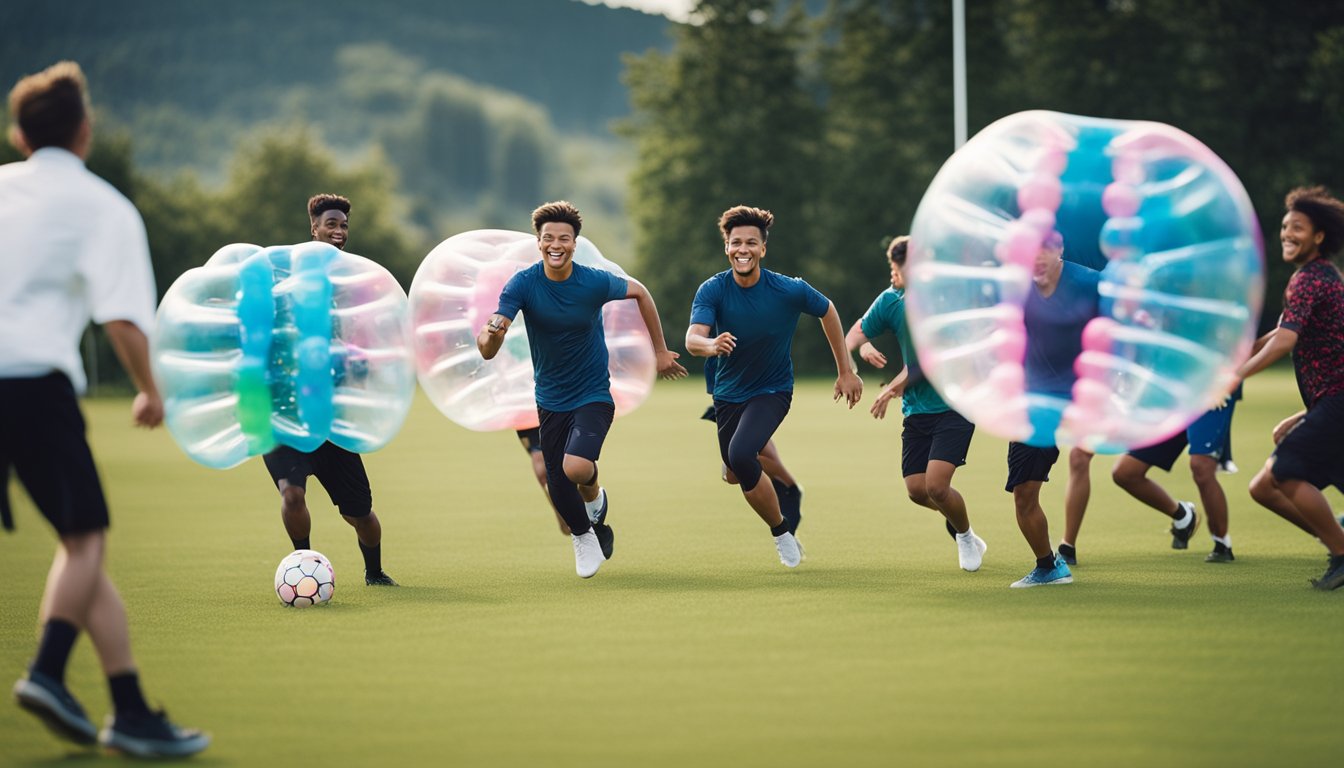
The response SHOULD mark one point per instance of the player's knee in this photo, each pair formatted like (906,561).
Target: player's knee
(1126,475)
(939,493)
(1079,461)
(1263,486)
(579,470)
(85,544)
(728,476)
(743,461)
(1203,469)
(293,498)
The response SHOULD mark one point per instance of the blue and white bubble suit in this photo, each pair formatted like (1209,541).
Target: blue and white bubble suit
(454,294)
(287,345)
(1182,276)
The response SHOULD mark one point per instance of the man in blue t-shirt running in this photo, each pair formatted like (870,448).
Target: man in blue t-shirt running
(1063,301)
(934,438)
(756,312)
(562,303)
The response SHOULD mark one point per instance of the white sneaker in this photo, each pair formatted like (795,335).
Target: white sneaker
(790,554)
(970,551)
(587,554)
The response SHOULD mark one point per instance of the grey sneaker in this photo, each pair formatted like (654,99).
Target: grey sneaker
(151,735)
(1180,537)
(52,703)
(790,553)
(1334,574)
(587,554)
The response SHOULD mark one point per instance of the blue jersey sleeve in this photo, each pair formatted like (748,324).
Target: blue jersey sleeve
(511,299)
(617,287)
(812,301)
(705,305)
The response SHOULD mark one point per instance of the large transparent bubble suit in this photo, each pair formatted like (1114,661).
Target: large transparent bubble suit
(1182,263)
(455,292)
(287,345)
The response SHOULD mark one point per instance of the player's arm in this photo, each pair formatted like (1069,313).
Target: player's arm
(701,344)
(132,348)
(856,339)
(666,359)
(847,383)
(893,390)
(491,337)
(1279,342)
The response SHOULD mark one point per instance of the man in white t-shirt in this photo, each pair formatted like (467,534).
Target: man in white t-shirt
(73,250)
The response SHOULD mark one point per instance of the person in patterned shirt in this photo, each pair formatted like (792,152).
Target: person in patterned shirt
(1307,456)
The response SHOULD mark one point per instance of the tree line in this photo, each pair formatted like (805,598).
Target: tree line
(838,121)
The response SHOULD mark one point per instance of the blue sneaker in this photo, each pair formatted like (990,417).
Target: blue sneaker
(1060,574)
(52,703)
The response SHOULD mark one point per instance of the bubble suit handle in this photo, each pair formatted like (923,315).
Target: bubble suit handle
(1163,219)
(455,292)
(256,320)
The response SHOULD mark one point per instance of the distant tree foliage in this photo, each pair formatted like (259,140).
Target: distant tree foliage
(840,125)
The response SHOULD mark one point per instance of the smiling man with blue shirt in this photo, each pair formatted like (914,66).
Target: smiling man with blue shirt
(562,303)
(756,312)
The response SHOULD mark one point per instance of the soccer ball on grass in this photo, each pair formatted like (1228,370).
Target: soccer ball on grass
(305,578)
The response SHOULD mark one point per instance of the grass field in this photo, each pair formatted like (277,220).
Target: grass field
(694,646)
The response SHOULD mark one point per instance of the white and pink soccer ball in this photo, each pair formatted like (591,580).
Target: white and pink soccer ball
(305,578)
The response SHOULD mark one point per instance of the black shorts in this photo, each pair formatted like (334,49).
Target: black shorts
(531,439)
(1314,450)
(339,471)
(1164,454)
(745,429)
(708,415)
(929,437)
(1027,463)
(579,432)
(42,437)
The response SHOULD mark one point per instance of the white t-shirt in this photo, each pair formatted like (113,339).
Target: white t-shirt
(72,248)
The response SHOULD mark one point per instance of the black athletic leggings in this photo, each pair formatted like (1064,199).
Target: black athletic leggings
(745,428)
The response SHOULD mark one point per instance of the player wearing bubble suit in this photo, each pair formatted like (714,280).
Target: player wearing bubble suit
(1210,441)
(1308,456)
(341,472)
(1063,299)
(934,438)
(75,250)
(562,304)
(756,311)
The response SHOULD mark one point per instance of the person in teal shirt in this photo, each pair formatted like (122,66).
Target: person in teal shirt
(934,438)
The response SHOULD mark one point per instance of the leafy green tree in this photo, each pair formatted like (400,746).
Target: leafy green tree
(724,118)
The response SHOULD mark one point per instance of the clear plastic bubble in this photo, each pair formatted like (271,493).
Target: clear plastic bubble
(1182,276)
(455,292)
(288,345)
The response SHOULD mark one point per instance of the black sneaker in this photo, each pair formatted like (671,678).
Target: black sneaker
(51,702)
(606,539)
(379,579)
(1180,537)
(151,734)
(1220,554)
(1069,553)
(1334,574)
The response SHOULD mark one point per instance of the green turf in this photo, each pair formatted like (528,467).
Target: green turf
(694,646)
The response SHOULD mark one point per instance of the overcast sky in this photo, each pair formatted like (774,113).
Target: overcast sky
(675,9)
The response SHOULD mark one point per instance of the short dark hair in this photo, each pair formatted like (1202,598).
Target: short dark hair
(320,204)
(50,106)
(896,251)
(746,216)
(1326,213)
(559,211)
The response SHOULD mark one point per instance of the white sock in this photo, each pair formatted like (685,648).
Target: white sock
(595,506)
(1185,518)
(1226,541)
(968,535)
